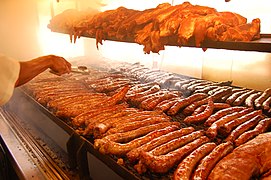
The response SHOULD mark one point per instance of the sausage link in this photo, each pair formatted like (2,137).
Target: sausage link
(89,130)
(221,113)
(80,119)
(206,89)
(151,104)
(186,167)
(133,119)
(112,86)
(179,84)
(228,127)
(138,88)
(150,98)
(127,136)
(66,99)
(208,162)
(194,81)
(184,102)
(240,100)
(243,128)
(134,154)
(234,96)
(217,96)
(152,90)
(211,92)
(130,135)
(266,104)
(101,128)
(136,124)
(167,104)
(203,115)
(163,163)
(234,90)
(261,127)
(217,106)
(109,114)
(250,100)
(259,101)
(176,143)
(137,101)
(119,96)
(213,129)
(122,148)
(191,108)
(194,86)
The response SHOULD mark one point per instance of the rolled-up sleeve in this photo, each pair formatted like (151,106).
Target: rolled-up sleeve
(9,73)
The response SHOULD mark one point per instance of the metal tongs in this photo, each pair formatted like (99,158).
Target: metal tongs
(76,69)
(80,69)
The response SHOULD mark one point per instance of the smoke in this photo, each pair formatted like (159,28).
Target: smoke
(18,27)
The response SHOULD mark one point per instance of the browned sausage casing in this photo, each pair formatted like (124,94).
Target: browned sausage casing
(122,148)
(150,104)
(80,119)
(217,106)
(176,143)
(221,113)
(240,100)
(266,104)
(89,130)
(259,101)
(138,88)
(167,104)
(234,96)
(207,164)
(243,128)
(216,97)
(152,90)
(163,163)
(134,154)
(136,124)
(205,89)
(249,102)
(191,108)
(201,116)
(101,128)
(228,127)
(213,129)
(186,167)
(262,126)
(130,135)
(184,102)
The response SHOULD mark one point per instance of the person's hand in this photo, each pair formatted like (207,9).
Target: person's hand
(59,65)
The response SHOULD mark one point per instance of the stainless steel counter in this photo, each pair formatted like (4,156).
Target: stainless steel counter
(20,158)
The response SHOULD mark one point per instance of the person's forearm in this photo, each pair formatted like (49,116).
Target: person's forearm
(30,69)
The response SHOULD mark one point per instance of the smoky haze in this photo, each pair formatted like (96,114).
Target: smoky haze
(18,29)
(19,24)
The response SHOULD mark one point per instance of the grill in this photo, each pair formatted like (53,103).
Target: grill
(56,149)
(52,149)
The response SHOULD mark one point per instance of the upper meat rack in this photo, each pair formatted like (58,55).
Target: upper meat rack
(181,25)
